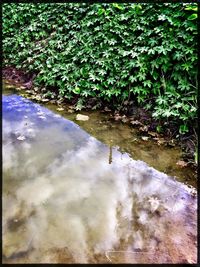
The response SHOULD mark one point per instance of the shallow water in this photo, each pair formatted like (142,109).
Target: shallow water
(117,134)
(69,198)
(127,139)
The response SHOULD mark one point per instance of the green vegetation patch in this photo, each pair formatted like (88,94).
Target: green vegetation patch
(111,51)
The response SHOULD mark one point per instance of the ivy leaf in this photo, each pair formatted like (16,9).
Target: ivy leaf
(147,83)
(118,6)
(87,50)
(76,90)
(193,16)
(111,80)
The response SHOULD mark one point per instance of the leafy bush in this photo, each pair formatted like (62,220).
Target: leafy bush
(111,51)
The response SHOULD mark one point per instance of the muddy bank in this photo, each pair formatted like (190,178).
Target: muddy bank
(158,151)
(67,200)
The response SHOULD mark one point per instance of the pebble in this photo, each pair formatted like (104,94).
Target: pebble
(80,117)
(60,109)
(145,138)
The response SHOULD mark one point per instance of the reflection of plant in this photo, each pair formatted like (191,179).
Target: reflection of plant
(113,52)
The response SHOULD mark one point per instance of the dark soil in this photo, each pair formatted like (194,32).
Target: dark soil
(18,77)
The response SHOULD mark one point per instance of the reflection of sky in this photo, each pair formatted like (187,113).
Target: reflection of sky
(68,196)
(18,109)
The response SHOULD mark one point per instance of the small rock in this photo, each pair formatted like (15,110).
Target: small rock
(71,107)
(117,117)
(45,100)
(38,97)
(161,141)
(9,86)
(59,102)
(135,122)
(181,163)
(154,134)
(21,87)
(171,143)
(145,138)
(60,109)
(107,109)
(144,128)
(28,91)
(80,117)
(134,140)
(124,119)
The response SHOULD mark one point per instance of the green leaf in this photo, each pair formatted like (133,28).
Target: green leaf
(118,6)
(193,16)
(194,8)
(147,83)
(100,12)
(89,50)
(159,129)
(183,129)
(76,90)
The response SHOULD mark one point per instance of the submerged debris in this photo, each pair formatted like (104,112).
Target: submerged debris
(21,138)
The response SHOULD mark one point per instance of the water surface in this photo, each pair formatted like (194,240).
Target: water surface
(69,198)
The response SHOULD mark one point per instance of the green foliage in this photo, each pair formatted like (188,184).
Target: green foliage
(79,104)
(192,7)
(111,51)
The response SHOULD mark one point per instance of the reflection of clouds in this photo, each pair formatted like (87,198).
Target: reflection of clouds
(76,204)
(69,197)
(9,157)
(23,128)
(40,191)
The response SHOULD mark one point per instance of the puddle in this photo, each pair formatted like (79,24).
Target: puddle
(127,139)
(70,198)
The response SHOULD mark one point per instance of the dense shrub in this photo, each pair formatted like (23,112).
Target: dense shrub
(114,52)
